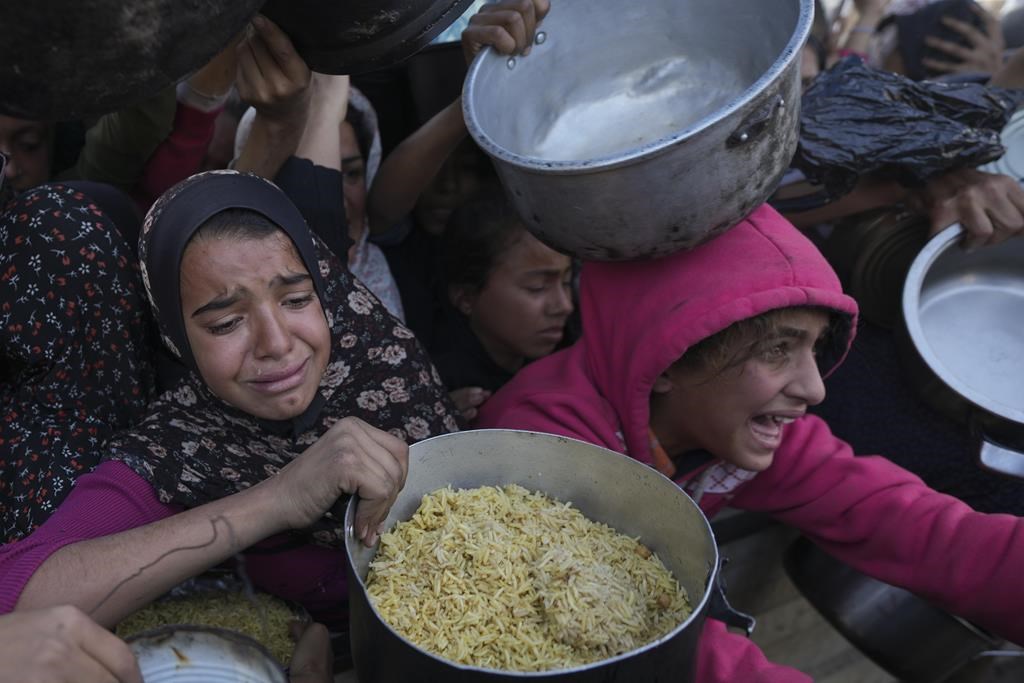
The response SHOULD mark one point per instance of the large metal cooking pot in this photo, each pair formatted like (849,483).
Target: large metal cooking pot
(901,632)
(68,60)
(605,486)
(964,314)
(636,129)
(354,36)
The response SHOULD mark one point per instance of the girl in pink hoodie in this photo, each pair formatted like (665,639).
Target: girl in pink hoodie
(703,364)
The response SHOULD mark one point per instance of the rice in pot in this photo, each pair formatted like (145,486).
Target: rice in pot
(504,578)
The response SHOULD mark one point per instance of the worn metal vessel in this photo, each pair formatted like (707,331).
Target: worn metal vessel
(637,129)
(964,313)
(604,485)
(62,61)
(354,36)
(202,654)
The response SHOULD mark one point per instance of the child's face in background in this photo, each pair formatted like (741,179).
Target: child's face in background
(28,145)
(455,184)
(739,414)
(522,310)
(353,181)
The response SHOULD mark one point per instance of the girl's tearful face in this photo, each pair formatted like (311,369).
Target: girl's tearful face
(255,324)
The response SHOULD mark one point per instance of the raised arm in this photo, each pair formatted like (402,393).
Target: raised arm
(884,521)
(274,79)
(508,27)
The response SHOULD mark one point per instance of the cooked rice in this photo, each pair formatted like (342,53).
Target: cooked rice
(504,578)
(263,618)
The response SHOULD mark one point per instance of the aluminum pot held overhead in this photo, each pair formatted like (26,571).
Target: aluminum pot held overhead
(964,314)
(607,487)
(637,129)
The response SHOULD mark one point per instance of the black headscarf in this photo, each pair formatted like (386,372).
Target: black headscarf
(194,204)
(195,448)
(184,210)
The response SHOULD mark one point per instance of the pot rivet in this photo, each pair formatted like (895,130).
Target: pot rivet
(744,137)
(541,37)
(511,63)
(782,103)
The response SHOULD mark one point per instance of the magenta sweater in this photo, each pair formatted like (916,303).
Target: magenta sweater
(113,498)
(639,317)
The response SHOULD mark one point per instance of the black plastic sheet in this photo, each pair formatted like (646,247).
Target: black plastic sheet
(856,121)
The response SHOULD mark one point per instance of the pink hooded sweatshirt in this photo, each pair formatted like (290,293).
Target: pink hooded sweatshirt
(640,317)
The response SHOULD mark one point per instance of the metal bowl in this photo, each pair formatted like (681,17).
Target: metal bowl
(964,313)
(200,654)
(636,129)
(606,487)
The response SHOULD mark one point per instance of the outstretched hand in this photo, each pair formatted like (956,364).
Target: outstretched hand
(983,52)
(468,400)
(351,457)
(989,206)
(272,77)
(509,26)
(62,645)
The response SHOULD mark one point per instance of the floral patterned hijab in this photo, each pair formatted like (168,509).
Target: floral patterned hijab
(193,447)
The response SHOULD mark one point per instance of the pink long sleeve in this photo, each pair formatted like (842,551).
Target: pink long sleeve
(884,521)
(106,501)
(113,498)
(724,657)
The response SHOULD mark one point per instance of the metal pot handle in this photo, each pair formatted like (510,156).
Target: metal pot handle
(719,607)
(1000,459)
(756,123)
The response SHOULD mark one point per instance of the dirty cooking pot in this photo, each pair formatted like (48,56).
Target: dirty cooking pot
(361,35)
(606,487)
(904,634)
(62,61)
(637,129)
(964,315)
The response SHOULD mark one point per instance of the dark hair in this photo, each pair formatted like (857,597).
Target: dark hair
(239,224)
(477,235)
(741,341)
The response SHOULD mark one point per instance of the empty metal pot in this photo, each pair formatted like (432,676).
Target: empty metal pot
(637,129)
(964,314)
(605,486)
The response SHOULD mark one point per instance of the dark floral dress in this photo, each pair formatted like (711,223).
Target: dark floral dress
(75,345)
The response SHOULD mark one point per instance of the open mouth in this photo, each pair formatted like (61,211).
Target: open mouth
(767,429)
